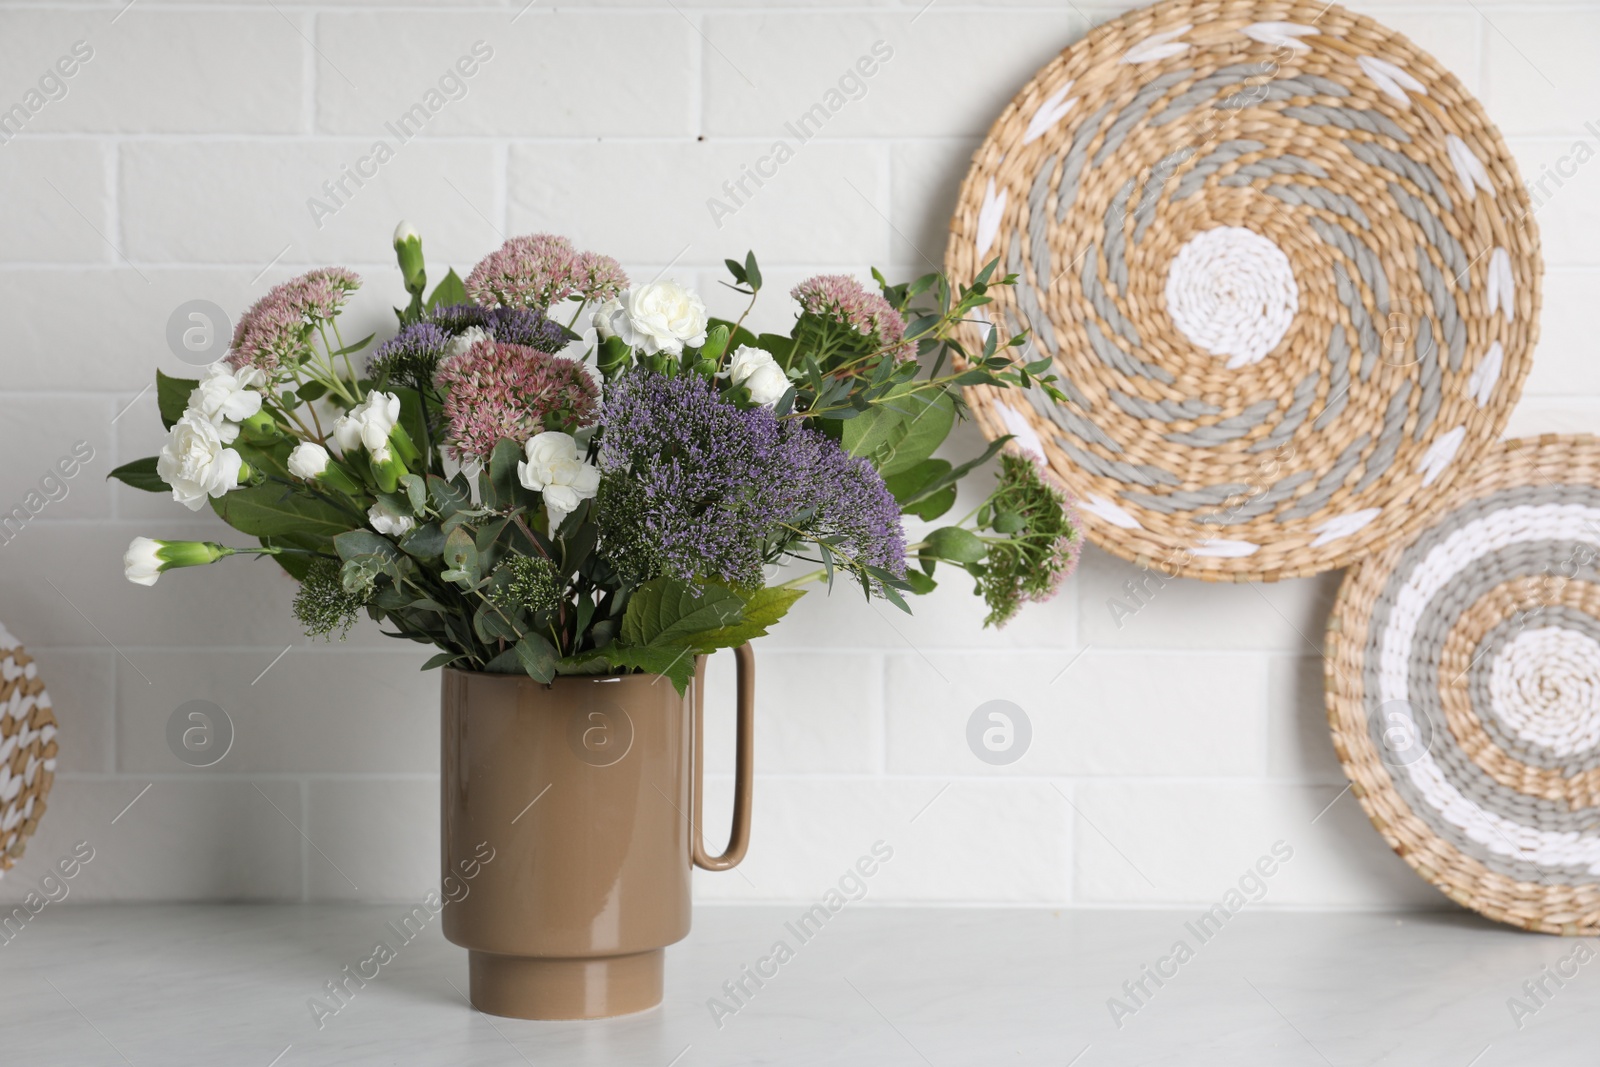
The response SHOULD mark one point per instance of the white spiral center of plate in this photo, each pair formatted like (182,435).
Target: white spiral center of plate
(1232,292)
(1545,686)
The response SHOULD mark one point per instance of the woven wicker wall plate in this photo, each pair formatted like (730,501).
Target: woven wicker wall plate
(27,749)
(1463,682)
(1283,263)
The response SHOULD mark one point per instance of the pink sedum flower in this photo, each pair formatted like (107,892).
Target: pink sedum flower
(499,390)
(845,300)
(277,327)
(536,271)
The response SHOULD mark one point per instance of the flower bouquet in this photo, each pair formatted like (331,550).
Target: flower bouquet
(570,518)
(551,470)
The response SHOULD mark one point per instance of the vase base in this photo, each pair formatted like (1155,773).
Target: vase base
(526,987)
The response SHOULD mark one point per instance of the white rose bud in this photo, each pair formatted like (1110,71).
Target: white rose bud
(757,371)
(195,463)
(308,461)
(554,469)
(369,424)
(658,317)
(388,521)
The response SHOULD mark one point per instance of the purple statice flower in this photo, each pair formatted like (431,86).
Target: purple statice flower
(410,356)
(454,318)
(277,326)
(514,326)
(842,299)
(845,499)
(697,488)
(496,390)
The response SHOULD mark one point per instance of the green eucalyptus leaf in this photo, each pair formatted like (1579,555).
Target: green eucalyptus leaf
(492,623)
(506,662)
(353,543)
(449,497)
(425,542)
(416,492)
(461,555)
(537,657)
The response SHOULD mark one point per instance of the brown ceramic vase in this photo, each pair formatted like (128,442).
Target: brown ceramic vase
(571,819)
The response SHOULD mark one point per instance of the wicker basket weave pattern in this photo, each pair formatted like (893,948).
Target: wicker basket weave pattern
(1285,267)
(1463,674)
(27,749)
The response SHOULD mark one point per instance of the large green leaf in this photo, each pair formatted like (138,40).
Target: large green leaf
(272,510)
(665,611)
(675,662)
(141,474)
(909,483)
(902,430)
(172,397)
(448,292)
(762,610)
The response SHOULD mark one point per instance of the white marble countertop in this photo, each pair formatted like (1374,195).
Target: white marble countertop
(229,985)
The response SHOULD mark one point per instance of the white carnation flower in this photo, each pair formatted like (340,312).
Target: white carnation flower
(308,460)
(387,521)
(554,469)
(196,463)
(226,397)
(369,424)
(658,317)
(757,371)
(461,342)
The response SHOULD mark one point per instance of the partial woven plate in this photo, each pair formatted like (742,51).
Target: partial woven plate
(1463,681)
(27,749)
(1285,266)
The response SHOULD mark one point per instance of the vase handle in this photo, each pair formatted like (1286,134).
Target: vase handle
(743,783)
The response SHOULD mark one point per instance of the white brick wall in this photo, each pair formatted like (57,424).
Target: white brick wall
(1168,751)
